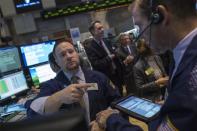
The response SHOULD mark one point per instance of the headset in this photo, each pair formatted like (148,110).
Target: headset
(155,18)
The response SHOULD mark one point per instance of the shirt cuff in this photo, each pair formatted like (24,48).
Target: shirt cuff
(38,105)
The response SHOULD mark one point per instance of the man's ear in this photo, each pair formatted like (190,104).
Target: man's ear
(164,13)
(56,60)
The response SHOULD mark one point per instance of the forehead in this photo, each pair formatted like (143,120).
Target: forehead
(125,37)
(98,25)
(63,46)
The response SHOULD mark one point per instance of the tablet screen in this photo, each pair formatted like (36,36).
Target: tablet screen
(140,106)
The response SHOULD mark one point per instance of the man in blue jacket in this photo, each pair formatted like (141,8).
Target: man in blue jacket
(174,26)
(73,86)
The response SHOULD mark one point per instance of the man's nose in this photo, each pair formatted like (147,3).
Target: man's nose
(68,56)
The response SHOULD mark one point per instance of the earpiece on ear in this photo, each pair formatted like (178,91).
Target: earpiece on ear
(156,17)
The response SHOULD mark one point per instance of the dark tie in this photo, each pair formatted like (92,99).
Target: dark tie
(74,79)
(127,50)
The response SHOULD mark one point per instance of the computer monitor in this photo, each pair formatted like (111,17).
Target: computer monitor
(41,73)
(27,5)
(12,84)
(36,53)
(9,59)
(72,120)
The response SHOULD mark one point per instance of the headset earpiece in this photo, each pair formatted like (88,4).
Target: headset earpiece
(156,17)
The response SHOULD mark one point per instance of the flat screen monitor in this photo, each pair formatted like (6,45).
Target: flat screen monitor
(41,74)
(36,53)
(27,5)
(9,59)
(12,84)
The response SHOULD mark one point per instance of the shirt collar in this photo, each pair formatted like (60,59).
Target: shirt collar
(98,41)
(79,73)
(181,47)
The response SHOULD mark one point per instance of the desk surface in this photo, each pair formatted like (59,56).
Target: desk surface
(17,116)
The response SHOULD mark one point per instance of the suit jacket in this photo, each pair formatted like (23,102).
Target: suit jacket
(145,83)
(181,104)
(100,60)
(122,54)
(98,100)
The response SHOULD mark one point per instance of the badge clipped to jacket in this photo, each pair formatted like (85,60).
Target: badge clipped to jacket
(149,71)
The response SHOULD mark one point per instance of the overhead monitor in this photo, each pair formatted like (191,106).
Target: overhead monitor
(41,74)
(12,84)
(36,53)
(9,59)
(27,5)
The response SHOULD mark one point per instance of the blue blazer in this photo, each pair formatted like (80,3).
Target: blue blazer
(181,104)
(98,100)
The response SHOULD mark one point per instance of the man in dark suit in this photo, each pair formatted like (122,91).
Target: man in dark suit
(127,53)
(174,27)
(102,55)
(73,86)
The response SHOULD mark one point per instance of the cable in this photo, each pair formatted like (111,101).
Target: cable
(145,29)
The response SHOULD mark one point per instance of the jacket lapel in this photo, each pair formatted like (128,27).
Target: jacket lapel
(62,78)
(109,46)
(124,51)
(190,55)
(99,48)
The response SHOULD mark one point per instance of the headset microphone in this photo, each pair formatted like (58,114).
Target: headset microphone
(145,29)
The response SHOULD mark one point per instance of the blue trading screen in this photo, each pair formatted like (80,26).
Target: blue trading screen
(140,106)
(36,54)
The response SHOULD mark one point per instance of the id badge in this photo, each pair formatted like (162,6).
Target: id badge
(149,71)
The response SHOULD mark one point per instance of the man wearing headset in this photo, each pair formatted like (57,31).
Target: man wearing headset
(173,26)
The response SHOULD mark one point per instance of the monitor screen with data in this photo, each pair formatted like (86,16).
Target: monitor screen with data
(9,59)
(12,84)
(27,5)
(36,53)
(41,74)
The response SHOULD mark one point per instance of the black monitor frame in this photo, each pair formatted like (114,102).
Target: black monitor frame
(72,120)
(28,8)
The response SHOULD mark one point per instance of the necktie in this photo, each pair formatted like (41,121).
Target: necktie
(74,79)
(83,104)
(108,52)
(129,50)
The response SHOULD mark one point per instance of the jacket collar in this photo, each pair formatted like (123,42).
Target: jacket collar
(189,56)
